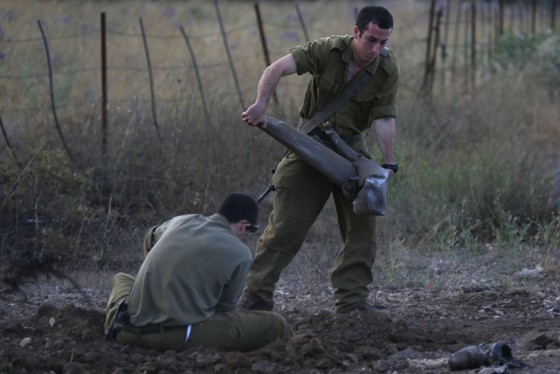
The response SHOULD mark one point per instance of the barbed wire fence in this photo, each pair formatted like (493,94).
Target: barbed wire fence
(481,23)
(476,26)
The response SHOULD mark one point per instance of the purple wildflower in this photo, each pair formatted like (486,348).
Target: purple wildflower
(169,12)
(290,36)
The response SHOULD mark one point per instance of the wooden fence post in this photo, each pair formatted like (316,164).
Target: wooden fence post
(456,40)
(466,49)
(473,43)
(437,44)
(264,46)
(226,46)
(152,93)
(8,143)
(51,85)
(512,13)
(558,186)
(501,16)
(484,31)
(534,17)
(524,18)
(553,16)
(483,34)
(491,30)
(445,44)
(197,73)
(425,81)
(103,88)
(302,22)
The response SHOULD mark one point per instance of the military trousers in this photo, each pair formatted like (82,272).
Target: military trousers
(301,194)
(232,331)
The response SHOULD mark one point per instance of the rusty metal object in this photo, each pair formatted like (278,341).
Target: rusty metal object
(363,181)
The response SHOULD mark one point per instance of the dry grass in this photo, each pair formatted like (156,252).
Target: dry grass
(477,166)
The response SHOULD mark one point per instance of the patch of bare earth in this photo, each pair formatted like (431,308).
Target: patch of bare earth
(51,327)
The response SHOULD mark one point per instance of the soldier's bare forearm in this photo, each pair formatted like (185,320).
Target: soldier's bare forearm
(385,129)
(256,113)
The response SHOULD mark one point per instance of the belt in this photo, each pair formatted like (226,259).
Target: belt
(149,329)
(324,137)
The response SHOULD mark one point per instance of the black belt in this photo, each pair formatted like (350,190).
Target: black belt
(347,139)
(149,329)
(317,132)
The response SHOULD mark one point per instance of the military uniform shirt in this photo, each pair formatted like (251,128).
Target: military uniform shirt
(196,267)
(327,60)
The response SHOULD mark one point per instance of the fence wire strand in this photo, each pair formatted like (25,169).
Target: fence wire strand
(515,17)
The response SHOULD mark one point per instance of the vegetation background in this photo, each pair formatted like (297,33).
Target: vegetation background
(478,178)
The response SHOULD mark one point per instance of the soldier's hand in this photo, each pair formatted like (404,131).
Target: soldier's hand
(255,115)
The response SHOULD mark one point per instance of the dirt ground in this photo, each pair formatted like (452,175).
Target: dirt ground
(52,327)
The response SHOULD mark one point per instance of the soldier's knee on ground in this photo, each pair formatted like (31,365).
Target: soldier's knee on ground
(122,285)
(283,327)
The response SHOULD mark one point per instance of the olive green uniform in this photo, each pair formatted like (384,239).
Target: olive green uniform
(302,191)
(187,290)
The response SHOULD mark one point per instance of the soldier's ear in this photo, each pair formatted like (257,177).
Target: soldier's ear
(149,240)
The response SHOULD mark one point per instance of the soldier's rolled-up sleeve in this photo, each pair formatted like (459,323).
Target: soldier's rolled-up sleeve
(152,235)
(385,103)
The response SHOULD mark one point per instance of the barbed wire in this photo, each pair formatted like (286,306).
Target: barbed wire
(96,31)
(38,39)
(289,25)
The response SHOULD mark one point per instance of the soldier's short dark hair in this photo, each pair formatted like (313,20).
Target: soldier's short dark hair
(239,206)
(374,14)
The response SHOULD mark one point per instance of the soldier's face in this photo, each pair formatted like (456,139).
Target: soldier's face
(367,46)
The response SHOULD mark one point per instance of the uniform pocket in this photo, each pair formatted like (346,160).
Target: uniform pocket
(327,85)
(364,95)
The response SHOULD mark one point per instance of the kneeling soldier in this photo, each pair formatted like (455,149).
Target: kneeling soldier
(188,287)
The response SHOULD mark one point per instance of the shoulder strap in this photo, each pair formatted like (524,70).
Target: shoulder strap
(349,90)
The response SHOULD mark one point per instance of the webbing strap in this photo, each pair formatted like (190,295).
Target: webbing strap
(349,90)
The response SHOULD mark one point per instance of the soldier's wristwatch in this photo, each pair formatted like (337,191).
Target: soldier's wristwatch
(394,167)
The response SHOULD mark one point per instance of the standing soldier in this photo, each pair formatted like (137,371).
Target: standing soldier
(301,190)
